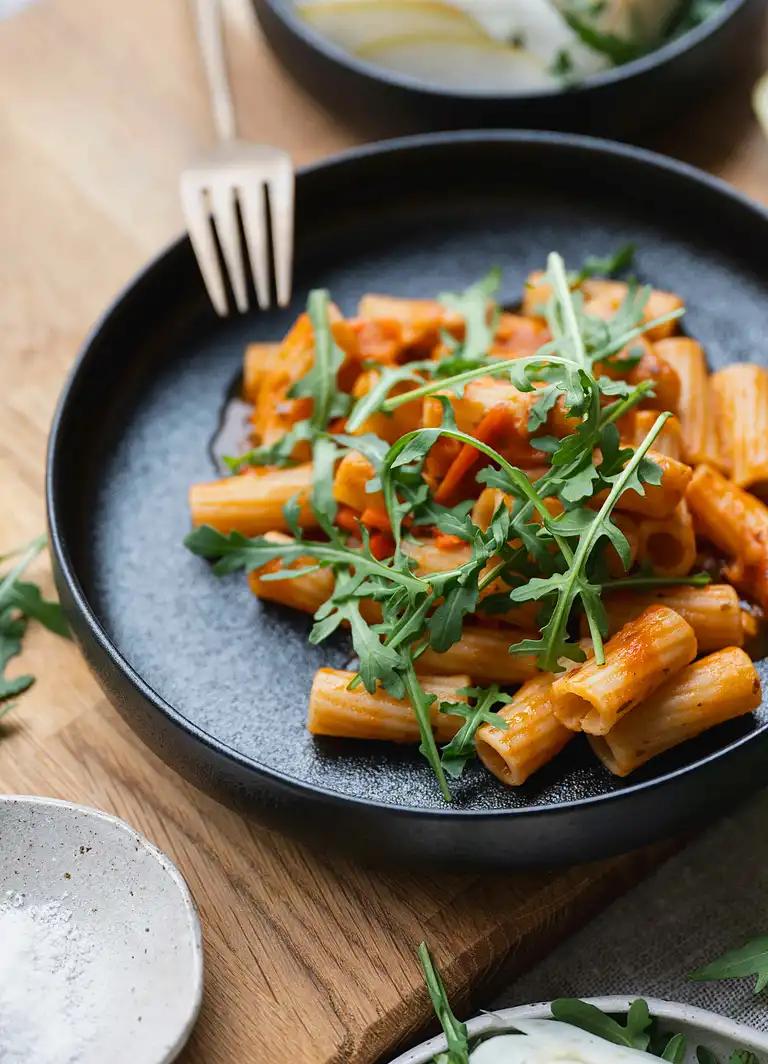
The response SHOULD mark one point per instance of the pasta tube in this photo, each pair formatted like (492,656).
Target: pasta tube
(603,300)
(517,335)
(533,735)
(713,612)
(660,500)
(389,427)
(715,689)
(729,517)
(258,362)
(306,593)
(420,320)
(253,503)
(668,442)
(741,409)
(698,423)
(605,297)
(335,710)
(484,654)
(592,698)
(349,485)
(668,543)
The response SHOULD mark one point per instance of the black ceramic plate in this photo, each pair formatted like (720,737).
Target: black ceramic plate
(216,681)
(617,103)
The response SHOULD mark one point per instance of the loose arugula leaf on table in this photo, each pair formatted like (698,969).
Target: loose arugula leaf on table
(749,959)
(28,599)
(455,1031)
(461,748)
(12,630)
(21,601)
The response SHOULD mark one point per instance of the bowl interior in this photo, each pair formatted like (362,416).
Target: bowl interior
(131,931)
(412,221)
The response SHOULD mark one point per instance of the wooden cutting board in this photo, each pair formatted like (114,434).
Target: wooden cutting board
(310,957)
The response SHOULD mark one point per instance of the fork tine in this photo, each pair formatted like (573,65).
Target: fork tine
(281,197)
(224,212)
(203,244)
(253,211)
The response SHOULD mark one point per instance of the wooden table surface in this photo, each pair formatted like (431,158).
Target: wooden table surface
(310,958)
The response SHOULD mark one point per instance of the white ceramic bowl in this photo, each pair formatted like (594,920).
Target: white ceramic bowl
(131,917)
(717,1033)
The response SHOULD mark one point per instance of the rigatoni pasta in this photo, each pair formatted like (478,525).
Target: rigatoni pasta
(253,504)
(717,688)
(714,612)
(638,660)
(336,710)
(533,735)
(741,413)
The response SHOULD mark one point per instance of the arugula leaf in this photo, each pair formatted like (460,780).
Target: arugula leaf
(19,601)
(279,453)
(446,622)
(461,748)
(480,321)
(455,1031)
(617,49)
(28,599)
(12,630)
(750,959)
(389,378)
(608,266)
(674,1050)
(635,1035)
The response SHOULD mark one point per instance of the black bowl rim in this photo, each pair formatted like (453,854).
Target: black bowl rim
(285,11)
(61,552)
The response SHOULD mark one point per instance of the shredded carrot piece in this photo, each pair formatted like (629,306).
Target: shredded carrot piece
(347,519)
(382,545)
(373,517)
(495,423)
(444,541)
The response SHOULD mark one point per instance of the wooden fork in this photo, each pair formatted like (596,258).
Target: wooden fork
(236,174)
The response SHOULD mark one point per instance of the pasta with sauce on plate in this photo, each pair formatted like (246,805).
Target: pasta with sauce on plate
(516,515)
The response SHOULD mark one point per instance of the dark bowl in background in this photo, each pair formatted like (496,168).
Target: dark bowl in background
(618,102)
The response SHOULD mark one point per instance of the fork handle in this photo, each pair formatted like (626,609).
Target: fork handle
(208,19)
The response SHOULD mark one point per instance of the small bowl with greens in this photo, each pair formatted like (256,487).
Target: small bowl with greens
(602,66)
(606,1030)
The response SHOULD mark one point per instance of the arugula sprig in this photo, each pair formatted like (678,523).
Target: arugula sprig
(461,748)
(20,602)
(455,1031)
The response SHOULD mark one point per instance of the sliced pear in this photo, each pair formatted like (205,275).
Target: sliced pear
(355,24)
(538,27)
(468,64)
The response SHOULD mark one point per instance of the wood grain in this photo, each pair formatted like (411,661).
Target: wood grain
(310,957)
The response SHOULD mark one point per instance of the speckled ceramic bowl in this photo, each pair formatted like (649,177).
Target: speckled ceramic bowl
(719,1034)
(131,921)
